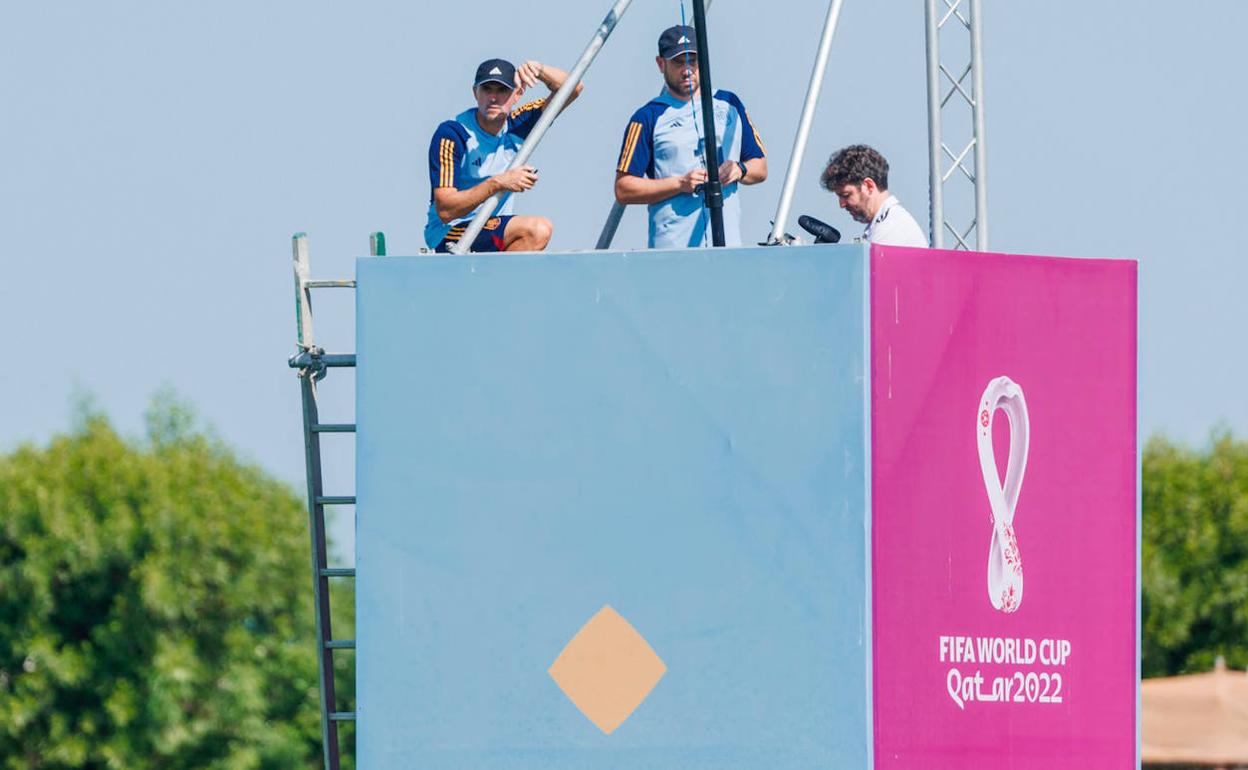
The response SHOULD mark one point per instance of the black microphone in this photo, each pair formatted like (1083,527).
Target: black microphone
(823,232)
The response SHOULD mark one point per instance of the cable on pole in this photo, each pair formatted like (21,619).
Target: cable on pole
(697,130)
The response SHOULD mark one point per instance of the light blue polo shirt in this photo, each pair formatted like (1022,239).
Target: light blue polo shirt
(462,155)
(664,139)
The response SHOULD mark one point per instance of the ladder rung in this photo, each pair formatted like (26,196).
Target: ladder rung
(338,359)
(305,358)
(344,284)
(336,500)
(338,572)
(340,644)
(342,716)
(334,427)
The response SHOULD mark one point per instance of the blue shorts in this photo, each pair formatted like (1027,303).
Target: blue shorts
(490,238)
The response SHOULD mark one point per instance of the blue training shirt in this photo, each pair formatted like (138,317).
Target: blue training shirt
(664,139)
(462,155)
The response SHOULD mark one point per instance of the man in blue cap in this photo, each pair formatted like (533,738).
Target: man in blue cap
(663,161)
(470,155)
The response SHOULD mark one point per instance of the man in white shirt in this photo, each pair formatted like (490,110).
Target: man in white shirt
(858,176)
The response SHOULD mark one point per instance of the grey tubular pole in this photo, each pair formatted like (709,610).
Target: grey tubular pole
(936,204)
(610,226)
(557,103)
(803,126)
(712,190)
(981,156)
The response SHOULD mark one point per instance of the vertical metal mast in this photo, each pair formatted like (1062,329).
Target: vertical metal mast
(712,191)
(967,209)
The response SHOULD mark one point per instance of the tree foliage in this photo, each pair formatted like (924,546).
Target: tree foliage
(155,609)
(1195,556)
(155,605)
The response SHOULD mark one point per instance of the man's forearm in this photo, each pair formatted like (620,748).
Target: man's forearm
(554,78)
(635,189)
(452,204)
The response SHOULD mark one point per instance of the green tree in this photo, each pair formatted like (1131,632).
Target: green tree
(155,606)
(1195,556)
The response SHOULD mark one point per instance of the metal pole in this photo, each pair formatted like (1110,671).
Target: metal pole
(803,126)
(303,297)
(557,103)
(981,156)
(610,226)
(712,191)
(934,184)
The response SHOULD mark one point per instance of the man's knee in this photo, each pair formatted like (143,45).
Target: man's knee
(538,230)
(542,230)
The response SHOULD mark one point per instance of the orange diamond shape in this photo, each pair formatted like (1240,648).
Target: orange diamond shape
(607,670)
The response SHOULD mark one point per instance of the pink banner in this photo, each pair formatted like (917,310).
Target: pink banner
(1004,510)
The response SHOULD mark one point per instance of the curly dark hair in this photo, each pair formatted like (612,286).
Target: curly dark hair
(854,164)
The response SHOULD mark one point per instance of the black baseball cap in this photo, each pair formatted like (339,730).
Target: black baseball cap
(495,71)
(677,40)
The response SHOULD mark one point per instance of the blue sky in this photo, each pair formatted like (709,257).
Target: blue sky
(156,157)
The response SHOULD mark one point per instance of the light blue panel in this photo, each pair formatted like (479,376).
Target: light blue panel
(680,435)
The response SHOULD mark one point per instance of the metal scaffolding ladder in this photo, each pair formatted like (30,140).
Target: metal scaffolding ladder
(312,364)
(964,56)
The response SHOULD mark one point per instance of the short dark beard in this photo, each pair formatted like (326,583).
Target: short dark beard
(677,86)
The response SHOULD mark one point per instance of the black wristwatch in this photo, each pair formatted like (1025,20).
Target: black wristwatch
(744,170)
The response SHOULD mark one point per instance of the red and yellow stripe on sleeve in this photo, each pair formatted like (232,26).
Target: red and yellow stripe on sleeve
(757,138)
(446,163)
(533,105)
(630,146)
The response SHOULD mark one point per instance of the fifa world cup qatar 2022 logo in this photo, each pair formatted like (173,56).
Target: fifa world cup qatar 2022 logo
(1005,562)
